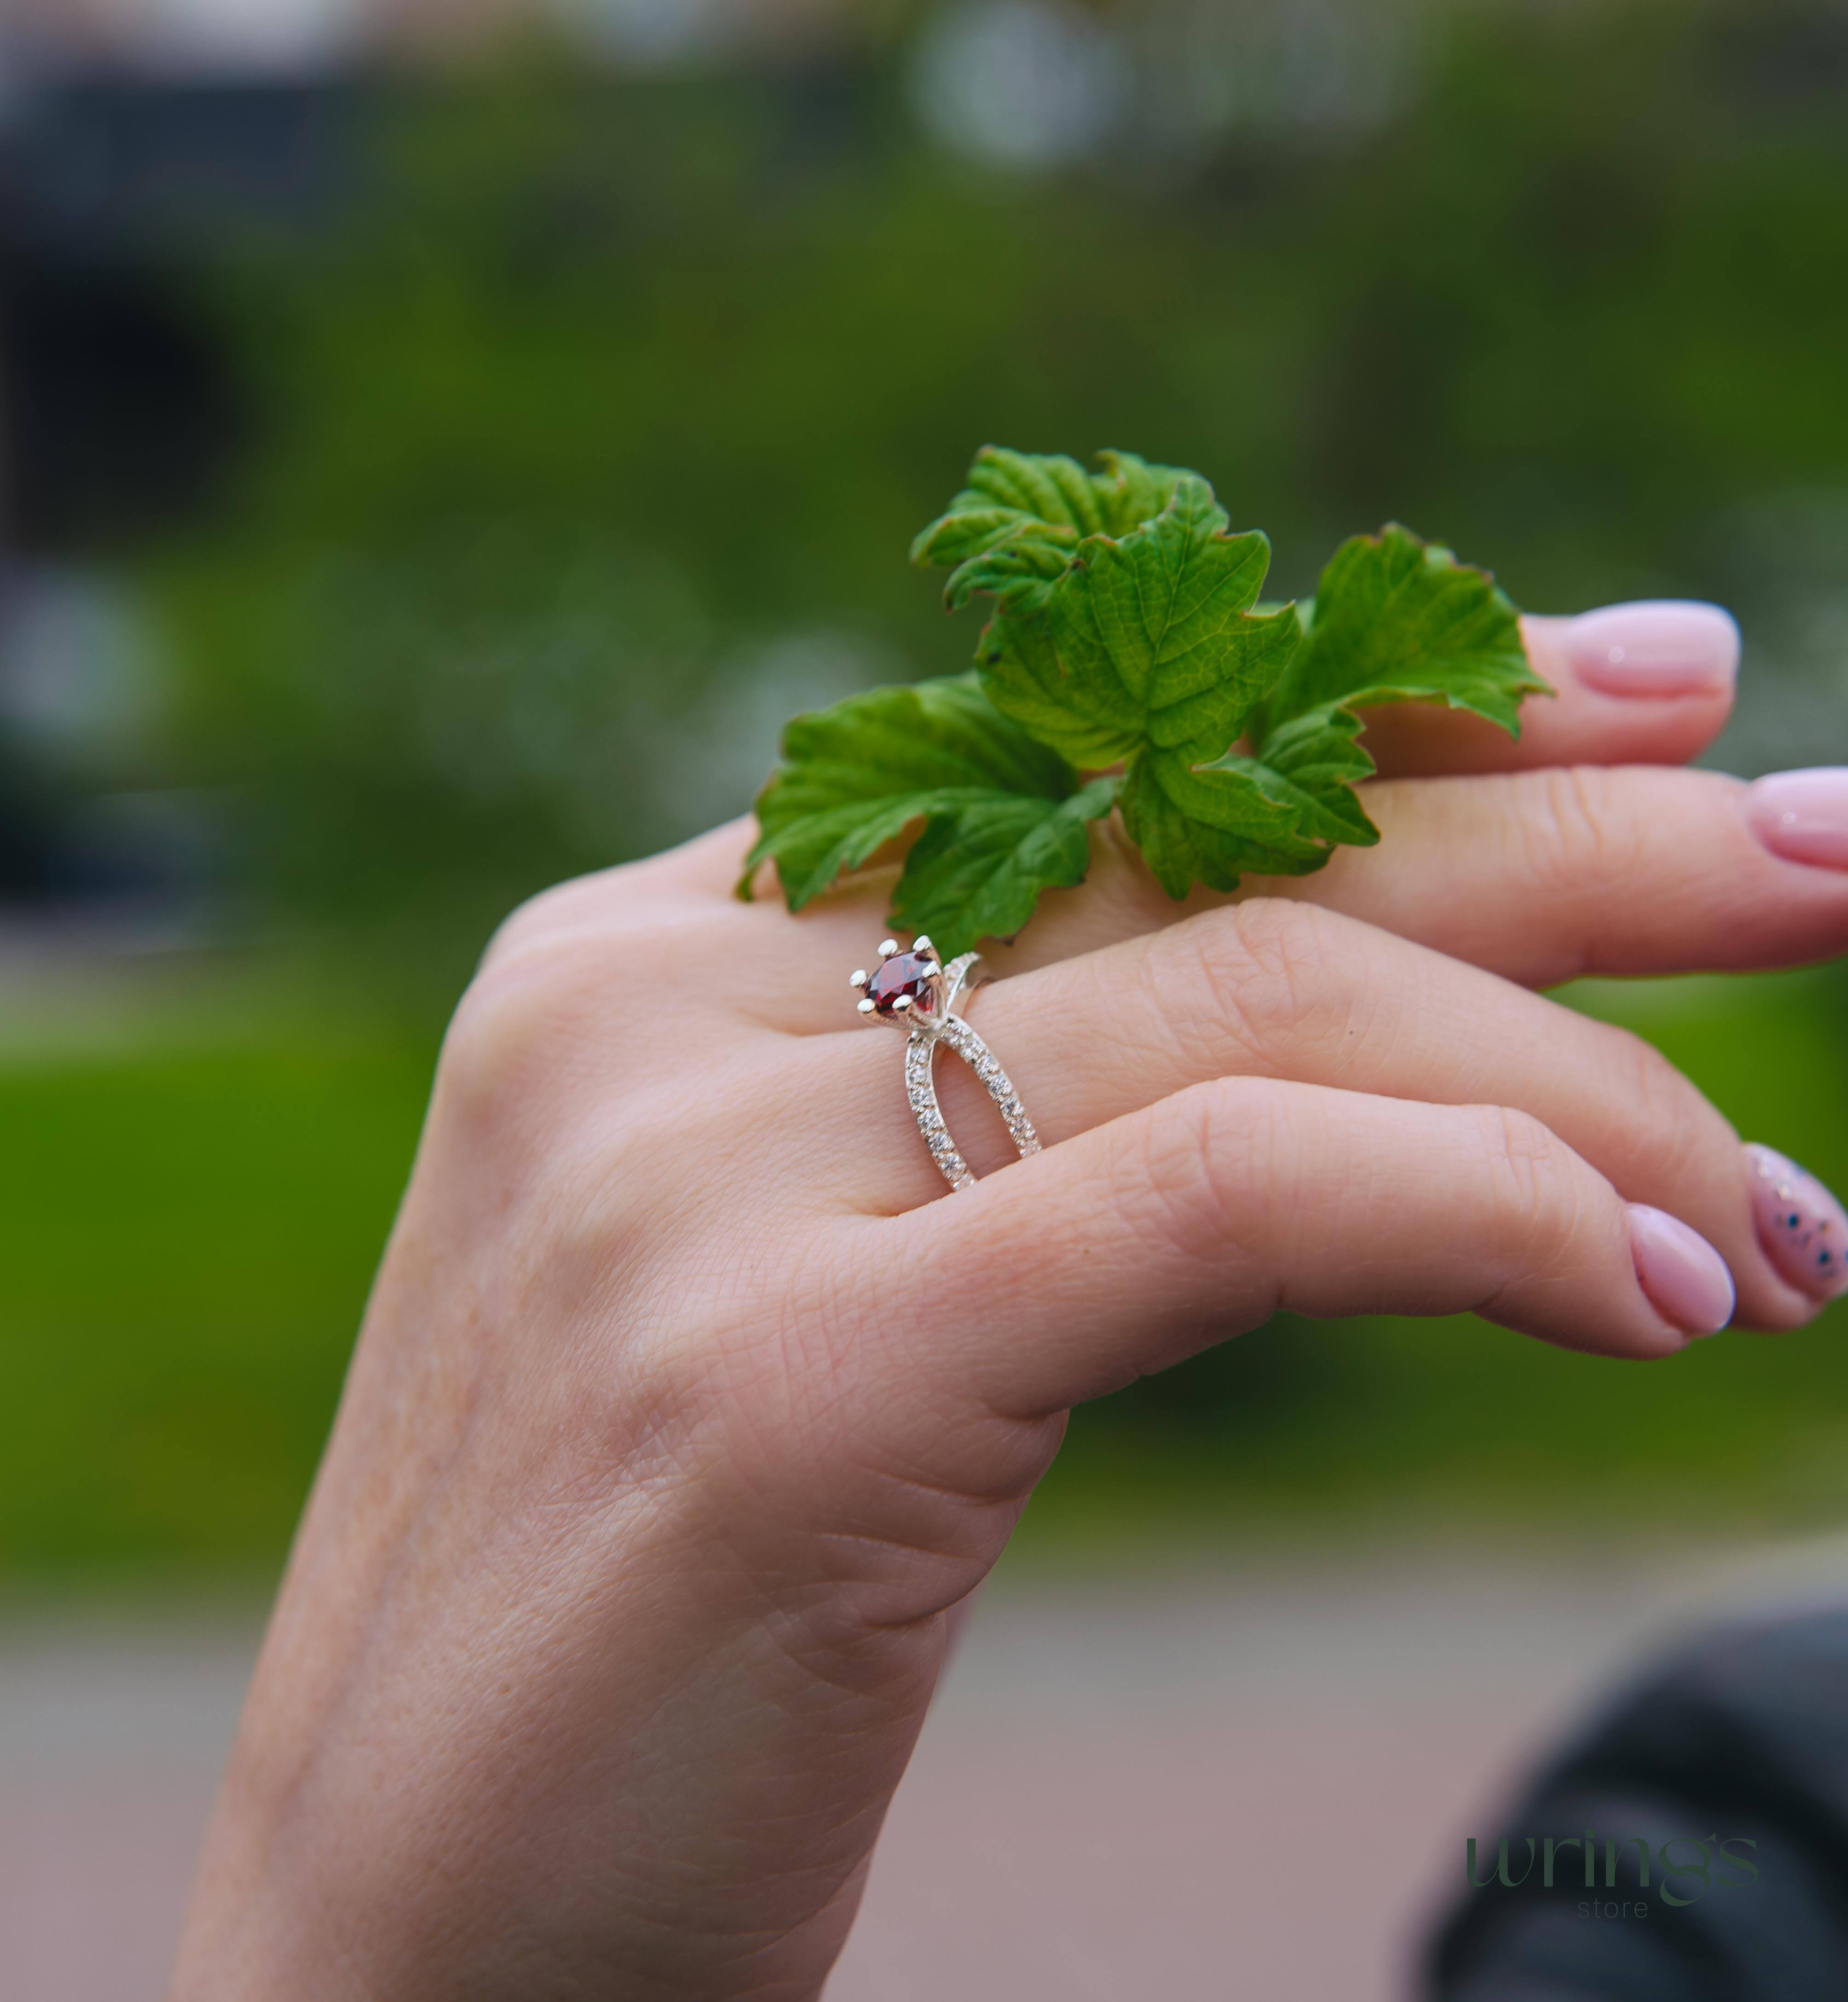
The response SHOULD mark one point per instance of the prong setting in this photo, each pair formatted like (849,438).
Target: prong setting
(910,990)
(859,979)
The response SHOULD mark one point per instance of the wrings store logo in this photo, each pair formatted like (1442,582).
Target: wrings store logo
(1680,1879)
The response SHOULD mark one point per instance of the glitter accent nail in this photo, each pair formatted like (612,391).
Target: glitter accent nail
(1803,1229)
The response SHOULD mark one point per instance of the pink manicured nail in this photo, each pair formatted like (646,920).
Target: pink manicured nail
(1802,1227)
(1660,647)
(1802,816)
(1685,1278)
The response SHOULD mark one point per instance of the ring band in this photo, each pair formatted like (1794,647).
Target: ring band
(915,991)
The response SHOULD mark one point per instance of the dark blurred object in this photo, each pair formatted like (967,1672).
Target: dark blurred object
(119,411)
(31,863)
(120,392)
(1743,1735)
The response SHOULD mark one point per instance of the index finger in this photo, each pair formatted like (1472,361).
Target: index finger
(1649,683)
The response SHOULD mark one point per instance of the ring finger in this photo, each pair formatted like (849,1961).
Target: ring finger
(1542,875)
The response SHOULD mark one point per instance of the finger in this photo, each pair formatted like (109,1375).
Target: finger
(1544,876)
(1643,684)
(1541,877)
(1280,990)
(1202,1216)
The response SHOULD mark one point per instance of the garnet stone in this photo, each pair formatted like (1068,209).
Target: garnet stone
(904,973)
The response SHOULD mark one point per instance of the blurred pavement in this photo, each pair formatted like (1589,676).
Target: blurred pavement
(112,1733)
(1248,1781)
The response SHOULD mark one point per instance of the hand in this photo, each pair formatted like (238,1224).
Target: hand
(689,1404)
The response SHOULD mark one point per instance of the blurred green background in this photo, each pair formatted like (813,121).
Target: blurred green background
(489,455)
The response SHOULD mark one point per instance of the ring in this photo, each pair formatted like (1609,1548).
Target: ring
(916,992)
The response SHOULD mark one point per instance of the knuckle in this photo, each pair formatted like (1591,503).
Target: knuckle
(1576,833)
(507,1010)
(546,916)
(1196,1159)
(498,1035)
(525,923)
(542,1003)
(522,1016)
(1536,1198)
(601,897)
(1262,978)
(1285,941)
(1677,1124)
(630,898)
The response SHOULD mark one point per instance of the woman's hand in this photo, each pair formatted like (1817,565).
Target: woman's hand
(688,1402)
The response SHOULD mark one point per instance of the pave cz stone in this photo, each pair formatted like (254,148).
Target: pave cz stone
(922,1047)
(904,974)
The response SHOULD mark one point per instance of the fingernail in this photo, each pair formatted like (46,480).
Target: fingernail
(1802,816)
(1660,647)
(1685,1278)
(1803,1229)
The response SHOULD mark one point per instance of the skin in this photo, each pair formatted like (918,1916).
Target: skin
(689,1407)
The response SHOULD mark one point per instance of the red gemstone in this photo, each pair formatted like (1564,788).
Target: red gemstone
(904,973)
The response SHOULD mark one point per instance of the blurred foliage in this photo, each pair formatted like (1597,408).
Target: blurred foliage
(588,438)
(609,384)
(188,1235)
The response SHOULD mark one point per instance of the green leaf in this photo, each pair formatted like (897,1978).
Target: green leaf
(1211,825)
(1004,817)
(977,872)
(1397,619)
(1312,764)
(1025,679)
(1019,568)
(1147,639)
(1128,630)
(1279,814)
(1014,528)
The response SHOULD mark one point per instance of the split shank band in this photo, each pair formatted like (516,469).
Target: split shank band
(915,991)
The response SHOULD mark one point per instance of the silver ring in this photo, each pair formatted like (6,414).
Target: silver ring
(916,992)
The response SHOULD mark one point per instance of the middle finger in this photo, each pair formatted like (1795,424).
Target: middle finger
(1540,876)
